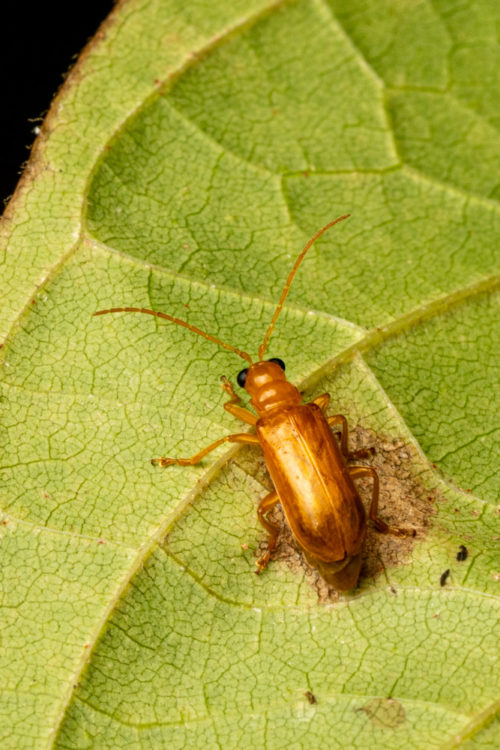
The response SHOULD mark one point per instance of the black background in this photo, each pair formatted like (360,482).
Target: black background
(39,43)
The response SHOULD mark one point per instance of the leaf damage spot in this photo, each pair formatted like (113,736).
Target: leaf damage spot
(404,501)
(384,712)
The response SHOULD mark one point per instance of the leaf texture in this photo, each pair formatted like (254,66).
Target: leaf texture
(189,156)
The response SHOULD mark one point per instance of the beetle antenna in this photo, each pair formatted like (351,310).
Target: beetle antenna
(178,322)
(286,288)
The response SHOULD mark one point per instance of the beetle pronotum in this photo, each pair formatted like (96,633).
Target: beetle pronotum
(311,479)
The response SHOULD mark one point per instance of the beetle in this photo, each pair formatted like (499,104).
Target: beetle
(311,478)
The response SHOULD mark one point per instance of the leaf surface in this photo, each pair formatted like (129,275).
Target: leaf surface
(188,158)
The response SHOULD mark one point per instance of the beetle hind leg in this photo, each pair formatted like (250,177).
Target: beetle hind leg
(368,471)
(267,504)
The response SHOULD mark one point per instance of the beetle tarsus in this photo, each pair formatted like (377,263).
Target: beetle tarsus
(263,562)
(384,528)
(163,461)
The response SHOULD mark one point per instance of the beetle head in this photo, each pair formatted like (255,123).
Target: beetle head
(267,385)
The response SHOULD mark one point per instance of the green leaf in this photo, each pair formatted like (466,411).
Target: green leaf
(189,156)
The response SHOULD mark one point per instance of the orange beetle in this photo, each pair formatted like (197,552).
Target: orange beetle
(312,481)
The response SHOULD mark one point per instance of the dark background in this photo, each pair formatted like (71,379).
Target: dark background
(39,43)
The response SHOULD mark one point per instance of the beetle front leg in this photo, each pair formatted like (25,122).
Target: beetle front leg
(266,505)
(237,438)
(232,406)
(356,472)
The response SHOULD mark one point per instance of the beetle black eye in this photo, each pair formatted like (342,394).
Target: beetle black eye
(242,376)
(277,361)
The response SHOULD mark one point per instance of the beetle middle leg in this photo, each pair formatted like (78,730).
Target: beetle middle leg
(344,437)
(323,401)
(236,438)
(357,472)
(344,432)
(232,406)
(267,504)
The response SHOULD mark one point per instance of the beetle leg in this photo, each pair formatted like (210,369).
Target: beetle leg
(322,401)
(266,504)
(236,438)
(232,405)
(368,471)
(344,438)
(344,432)
(228,387)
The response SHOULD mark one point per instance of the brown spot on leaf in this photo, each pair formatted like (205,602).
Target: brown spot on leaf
(385,712)
(404,502)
